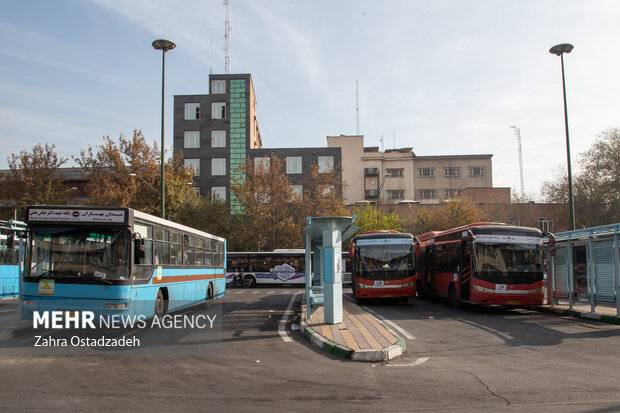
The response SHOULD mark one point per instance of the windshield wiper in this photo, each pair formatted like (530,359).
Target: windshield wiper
(44,274)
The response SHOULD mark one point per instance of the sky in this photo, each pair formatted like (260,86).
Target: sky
(446,77)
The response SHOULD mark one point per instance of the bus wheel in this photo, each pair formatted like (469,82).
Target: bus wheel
(210,293)
(454,301)
(160,305)
(249,281)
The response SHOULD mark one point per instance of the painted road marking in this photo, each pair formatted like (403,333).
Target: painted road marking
(284,320)
(413,363)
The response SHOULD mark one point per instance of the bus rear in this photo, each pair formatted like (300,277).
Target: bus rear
(383,265)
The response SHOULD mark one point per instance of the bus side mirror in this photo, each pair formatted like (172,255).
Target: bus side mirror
(10,241)
(351,250)
(140,251)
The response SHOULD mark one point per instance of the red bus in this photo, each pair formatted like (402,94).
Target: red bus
(482,263)
(382,265)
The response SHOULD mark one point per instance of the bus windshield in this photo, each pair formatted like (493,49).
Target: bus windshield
(384,261)
(79,253)
(508,263)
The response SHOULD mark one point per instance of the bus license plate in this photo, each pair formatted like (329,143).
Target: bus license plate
(379,283)
(512,302)
(387,295)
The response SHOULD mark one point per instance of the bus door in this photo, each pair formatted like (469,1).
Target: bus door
(465,266)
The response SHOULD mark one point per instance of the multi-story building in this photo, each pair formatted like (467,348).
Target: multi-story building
(399,176)
(219,131)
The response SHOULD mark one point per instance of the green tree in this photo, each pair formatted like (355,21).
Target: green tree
(596,185)
(323,194)
(277,214)
(266,196)
(371,219)
(33,178)
(127,173)
(213,216)
(456,212)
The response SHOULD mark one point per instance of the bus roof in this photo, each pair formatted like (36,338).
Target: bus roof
(383,234)
(479,228)
(103,215)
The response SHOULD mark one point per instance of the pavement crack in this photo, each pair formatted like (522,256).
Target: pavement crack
(508,403)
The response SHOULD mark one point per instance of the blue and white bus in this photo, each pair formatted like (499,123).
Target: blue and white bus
(280,266)
(283,266)
(10,234)
(112,260)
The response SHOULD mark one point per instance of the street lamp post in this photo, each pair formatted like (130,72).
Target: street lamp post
(559,50)
(164,46)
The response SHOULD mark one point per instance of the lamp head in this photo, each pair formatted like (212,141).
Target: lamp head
(558,49)
(164,45)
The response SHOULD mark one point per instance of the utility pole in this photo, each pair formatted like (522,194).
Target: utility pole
(226,38)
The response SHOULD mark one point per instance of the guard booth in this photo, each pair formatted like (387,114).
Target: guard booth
(324,237)
(584,267)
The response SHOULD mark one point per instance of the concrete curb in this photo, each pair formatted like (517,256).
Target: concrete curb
(385,354)
(578,314)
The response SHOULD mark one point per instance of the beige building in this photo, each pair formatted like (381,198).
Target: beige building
(399,176)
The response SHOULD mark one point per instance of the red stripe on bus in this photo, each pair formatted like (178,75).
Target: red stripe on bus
(180,278)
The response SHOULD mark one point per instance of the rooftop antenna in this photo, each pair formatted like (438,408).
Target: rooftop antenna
(357,107)
(211,61)
(381,140)
(226,38)
(518,134)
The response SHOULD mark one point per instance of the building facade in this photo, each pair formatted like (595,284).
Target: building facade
(219,131)
(399,176)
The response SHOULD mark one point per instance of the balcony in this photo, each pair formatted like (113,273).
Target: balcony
(371,171)
(372,193)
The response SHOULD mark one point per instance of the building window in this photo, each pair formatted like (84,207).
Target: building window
(218,86)
(395,173)
(452,172)
(192,111)
(426,172)
(476,171)
(218,166)
(193,164)
(262,164)
(451,193)
(218,192)
(293,164)
(218,138)
(218,110)
(426,194)
(544,224)
(298,191)
(326,164)
(399,194)
(191,139)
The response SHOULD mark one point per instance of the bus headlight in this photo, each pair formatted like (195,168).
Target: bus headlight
(28,302)
(411,284)
(537,291)
(482,289)
(360,285)
(116,306)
